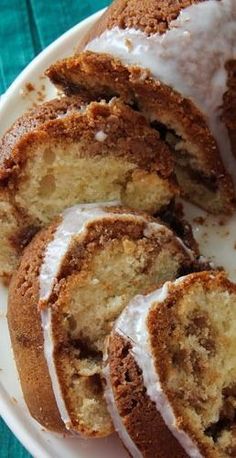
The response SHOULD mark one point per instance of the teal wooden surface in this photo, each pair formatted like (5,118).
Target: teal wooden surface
(26,27)
(10,447)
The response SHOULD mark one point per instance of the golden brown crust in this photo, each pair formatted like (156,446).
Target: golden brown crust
(104,77)
(141,144)
(29,122)
(26,336)
(139,414)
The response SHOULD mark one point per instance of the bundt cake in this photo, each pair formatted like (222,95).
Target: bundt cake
(70,151)
(171,370)
(175,62)
(74,279)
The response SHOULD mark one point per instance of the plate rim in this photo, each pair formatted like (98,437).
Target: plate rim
(7,413)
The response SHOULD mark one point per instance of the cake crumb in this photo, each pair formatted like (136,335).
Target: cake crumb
(26,90)
(222,222)
(35,94)
(41,94)
(129,44)
(199,220)
(29,87)
(14,400)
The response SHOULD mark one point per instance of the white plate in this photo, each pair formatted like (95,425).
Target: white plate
(216,240)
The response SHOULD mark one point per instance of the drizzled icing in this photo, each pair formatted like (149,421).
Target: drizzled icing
(131,325)
(74,222)
(190,57)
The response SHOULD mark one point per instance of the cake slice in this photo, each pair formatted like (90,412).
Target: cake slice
(74,280)
(69,151)
(171,370)
(177,69)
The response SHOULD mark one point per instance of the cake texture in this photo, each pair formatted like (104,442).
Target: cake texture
(69,151)
(162,58)
(171,370)
(74,280)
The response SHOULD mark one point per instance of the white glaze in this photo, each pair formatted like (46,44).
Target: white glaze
(132,326)
(190,57)
(46,317)
(100,136)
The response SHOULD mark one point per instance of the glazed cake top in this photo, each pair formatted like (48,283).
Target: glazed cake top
(188,53)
